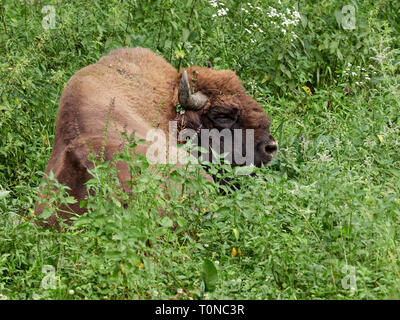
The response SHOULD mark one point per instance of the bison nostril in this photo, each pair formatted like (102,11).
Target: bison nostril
(271,147)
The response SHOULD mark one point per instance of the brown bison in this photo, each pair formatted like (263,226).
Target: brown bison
(136,90)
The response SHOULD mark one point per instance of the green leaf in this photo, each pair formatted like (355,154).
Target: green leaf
(339,54)
(82,221)
(265,79)
(166,222)
(4,194)
(47,212)
(185,34)
(304,20)
(285,71)
(236,234)
(193,35)
(174,25)
(209,275)
(181,221)
(338,16)
(70,200)
(113,255)
(179,54)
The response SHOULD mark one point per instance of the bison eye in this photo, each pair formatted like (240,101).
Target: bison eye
(223,118)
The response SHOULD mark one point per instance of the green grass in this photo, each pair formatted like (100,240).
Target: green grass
(329,200)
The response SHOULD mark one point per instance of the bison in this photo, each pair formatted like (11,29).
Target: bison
(138,90)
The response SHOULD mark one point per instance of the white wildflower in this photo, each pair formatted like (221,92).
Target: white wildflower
(272,13)
(324,157)
(222,12)
(367,161)
(369,142)
(213,3)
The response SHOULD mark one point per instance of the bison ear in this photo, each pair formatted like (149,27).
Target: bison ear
(210,66)
(223,118)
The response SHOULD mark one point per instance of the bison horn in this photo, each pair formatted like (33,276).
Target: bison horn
(187,100)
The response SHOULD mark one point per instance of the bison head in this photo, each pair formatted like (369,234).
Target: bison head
(217,100)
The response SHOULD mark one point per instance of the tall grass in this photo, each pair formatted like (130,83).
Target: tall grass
(321,221)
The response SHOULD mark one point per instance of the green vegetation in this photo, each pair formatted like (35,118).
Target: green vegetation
(323,216)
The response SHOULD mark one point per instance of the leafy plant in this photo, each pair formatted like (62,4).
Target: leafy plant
(327,202)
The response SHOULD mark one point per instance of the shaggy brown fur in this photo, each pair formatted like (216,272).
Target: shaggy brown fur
(137,90)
